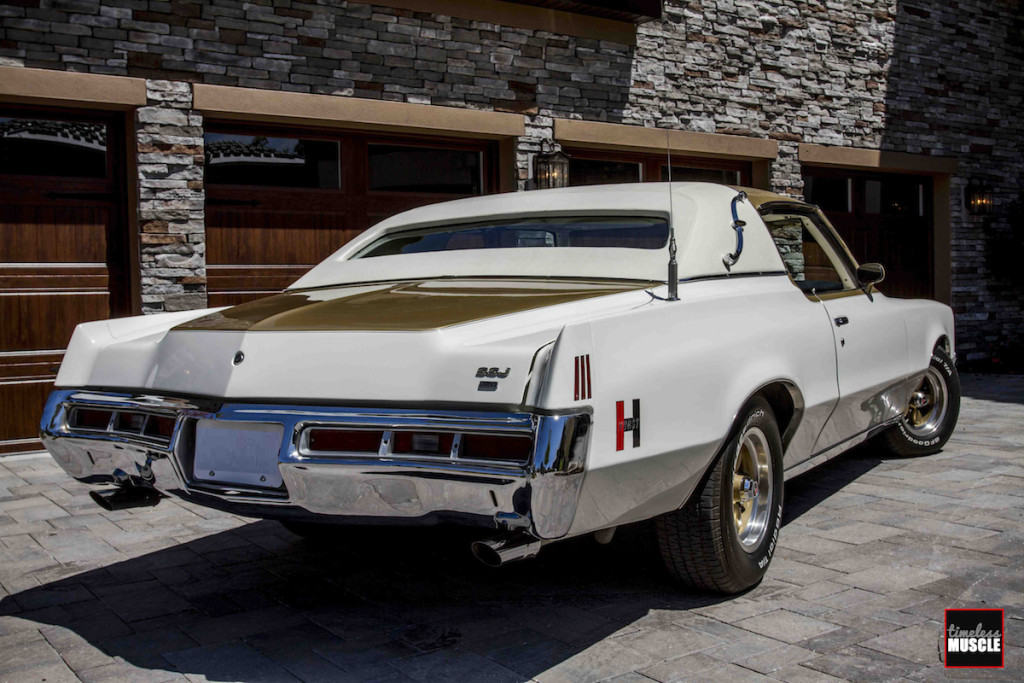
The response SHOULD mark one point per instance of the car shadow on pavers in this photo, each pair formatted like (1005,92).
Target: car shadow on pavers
(257,603)
(805,492)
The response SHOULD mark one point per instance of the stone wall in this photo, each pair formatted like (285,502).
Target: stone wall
(955,88)
(169,139)
(917,76)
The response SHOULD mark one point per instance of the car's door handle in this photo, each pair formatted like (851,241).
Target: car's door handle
(842,320)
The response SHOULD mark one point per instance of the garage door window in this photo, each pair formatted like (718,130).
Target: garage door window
(432,170)
(271,161)
(603,171)
(52,147)
(702,175)
(593,167)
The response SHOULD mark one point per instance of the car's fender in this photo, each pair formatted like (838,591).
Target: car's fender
(687,367)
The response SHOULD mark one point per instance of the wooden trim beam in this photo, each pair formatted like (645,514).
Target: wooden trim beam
(855,158)
(48,87)
(942,239)
(633,138)
(250,104)
(524,16)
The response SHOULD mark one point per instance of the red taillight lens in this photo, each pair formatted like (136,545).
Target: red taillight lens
(130,422)
(421,443)
(90,419)
(492,447)
(345,440)
(160,427)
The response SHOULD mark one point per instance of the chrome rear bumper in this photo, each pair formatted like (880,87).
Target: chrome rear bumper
(538,497)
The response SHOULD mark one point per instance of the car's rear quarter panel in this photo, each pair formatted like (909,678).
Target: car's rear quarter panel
(692,364)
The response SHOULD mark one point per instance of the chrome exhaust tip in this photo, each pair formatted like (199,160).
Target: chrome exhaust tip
(495,552)
(124,497)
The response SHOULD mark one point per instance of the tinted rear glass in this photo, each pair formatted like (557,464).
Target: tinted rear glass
(619,232)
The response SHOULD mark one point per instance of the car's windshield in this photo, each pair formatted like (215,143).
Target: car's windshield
(628,232)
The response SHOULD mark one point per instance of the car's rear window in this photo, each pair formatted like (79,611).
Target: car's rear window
(619,232)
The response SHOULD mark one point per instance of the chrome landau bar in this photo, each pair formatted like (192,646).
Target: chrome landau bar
(538,497)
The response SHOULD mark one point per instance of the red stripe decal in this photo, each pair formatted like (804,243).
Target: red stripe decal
(577,393)
(590,387)
(620,427)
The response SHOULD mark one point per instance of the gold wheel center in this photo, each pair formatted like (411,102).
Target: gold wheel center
(922,403)
(751,488)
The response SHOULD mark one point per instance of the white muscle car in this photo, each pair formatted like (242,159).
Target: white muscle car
(546,364)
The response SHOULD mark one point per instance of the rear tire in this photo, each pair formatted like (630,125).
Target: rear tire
(931,417)
(723,539)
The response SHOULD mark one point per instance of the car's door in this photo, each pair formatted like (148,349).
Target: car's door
(870,335)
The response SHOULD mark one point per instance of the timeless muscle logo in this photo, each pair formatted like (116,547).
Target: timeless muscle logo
(974,638)
(625,424)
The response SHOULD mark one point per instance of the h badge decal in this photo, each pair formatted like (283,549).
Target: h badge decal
(625,424)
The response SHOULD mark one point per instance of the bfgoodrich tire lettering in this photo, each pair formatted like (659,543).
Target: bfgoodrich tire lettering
(925,429)
(707,543)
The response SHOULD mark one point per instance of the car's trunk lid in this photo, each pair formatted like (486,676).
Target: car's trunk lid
(414,342)
(406,306)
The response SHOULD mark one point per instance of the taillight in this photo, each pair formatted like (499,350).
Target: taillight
(421,443)
(87,418)
(496,447)
(160,427)
(345,440)
(130,422)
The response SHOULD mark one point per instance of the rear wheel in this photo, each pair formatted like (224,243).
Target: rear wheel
(724,537)
(930,417)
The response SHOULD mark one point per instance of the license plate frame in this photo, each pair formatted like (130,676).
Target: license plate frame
(238,453)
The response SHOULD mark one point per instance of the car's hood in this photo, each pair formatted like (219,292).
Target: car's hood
(424,342)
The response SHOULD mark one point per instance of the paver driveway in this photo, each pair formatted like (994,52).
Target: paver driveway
(872,552)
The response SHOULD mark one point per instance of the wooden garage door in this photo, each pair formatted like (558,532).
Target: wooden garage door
(884,218)
(279,201)
(59,253)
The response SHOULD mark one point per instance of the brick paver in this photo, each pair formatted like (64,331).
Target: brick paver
(873,550)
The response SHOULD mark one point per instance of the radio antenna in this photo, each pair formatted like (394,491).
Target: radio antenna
(673,267)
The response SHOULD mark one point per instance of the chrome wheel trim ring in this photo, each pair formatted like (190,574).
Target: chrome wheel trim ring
(925,421)
(752,488)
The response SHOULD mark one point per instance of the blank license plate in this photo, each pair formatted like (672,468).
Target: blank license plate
(243,453)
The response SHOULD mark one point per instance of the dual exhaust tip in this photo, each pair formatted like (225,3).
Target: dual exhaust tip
(495,552)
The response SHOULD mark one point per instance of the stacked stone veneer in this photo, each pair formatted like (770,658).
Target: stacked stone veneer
(917,76)
(169,137)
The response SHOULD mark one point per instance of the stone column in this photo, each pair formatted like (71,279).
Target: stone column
(172,240)
(787,173)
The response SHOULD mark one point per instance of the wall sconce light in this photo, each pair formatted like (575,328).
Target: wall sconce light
(551,167)
(978,199)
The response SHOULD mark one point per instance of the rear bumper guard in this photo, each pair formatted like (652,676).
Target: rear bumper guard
(538,497)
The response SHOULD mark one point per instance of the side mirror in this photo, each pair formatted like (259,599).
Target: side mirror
(870,273)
